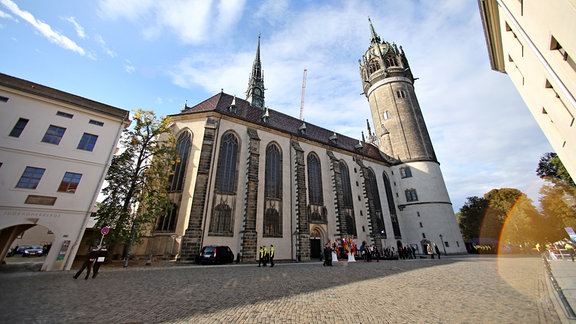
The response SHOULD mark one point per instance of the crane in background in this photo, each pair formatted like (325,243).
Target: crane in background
(303,93)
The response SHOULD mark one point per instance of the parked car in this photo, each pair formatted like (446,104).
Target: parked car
(17,250)
(216,255)
(33,251)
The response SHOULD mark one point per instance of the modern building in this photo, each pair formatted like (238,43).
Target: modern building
(250,176)
(55,149)
(534,42)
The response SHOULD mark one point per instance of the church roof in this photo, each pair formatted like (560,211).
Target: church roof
(221,103)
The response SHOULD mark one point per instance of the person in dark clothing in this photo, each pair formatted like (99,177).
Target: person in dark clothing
(437,250)
(88,263)
(102,254)
(327,255)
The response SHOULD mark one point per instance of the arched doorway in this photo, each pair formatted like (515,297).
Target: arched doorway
(315,243)
(26,245)
(424,243)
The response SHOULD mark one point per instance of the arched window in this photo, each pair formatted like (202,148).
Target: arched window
(315,180)
(391,61)
(227,161)
(373,66)
(179,168)
(167,221)
(222,219)
(272,223)
(346,187)
(273,172)
(391,206)
(372,189)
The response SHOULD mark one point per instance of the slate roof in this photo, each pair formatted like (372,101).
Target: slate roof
(221,102)
(54,94)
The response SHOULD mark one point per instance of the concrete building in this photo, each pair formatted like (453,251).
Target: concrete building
(55,149)
(534,42)
(250,176)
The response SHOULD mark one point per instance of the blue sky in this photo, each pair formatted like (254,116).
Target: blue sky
(156,55)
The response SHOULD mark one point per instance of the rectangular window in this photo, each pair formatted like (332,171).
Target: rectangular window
(446,244)
(30,178)
(95,122)
(40,200)
(54,134)
(19,127)
(87,142)
(64,114)
(70,182)
(556,46)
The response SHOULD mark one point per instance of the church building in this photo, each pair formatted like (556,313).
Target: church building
(250,176)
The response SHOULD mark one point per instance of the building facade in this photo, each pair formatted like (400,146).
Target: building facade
(534,42)
(55,149)
(250,176)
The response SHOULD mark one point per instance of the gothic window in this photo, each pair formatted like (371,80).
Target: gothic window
(372,189)
(411,195)
(314,180)
(346,187)
(226,174)
(221,219)
(391,61)
(179,168)
(272,223)
(373,66)
(273,172)
(350,225)
(386,115)
(401,94)
(391,206)
(405,172)
(167,221)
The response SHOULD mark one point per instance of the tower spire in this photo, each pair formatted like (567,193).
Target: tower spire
(255,92)
(375,37)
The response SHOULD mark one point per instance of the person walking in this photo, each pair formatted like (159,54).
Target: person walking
(327,255)
(261,256)
(88,263)
(265,255)
(437,250)
(429,250)
(271,255)
(102,254)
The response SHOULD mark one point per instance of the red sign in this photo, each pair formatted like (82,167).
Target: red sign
(105,230)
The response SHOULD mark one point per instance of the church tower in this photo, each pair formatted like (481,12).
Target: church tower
(255,92)
(424,209)
(388,85)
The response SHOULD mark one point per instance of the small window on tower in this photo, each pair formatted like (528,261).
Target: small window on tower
(386,115)
(400,94)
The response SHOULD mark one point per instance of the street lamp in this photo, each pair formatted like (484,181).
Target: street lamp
(443,246)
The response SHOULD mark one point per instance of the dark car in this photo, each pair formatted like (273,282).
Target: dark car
(33,251)
(216,255)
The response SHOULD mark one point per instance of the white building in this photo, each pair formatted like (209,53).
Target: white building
(55,149)
(534,42)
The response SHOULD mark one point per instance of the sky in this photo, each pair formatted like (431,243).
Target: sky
(157,55)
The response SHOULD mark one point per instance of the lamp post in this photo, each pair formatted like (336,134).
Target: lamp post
(443,246)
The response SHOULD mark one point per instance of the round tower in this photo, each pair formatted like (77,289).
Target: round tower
(389,87)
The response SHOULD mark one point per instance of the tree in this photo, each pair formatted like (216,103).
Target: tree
(137,180)
(557,200)
(471,216)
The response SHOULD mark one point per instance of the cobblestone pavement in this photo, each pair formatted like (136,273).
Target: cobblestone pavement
(466,289)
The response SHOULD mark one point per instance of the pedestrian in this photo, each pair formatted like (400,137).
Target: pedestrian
(570,250)
(327,255)
(429,250)
(265,255)
(261,256)
(437,250)
(102,254)
(271,255)
(88,263)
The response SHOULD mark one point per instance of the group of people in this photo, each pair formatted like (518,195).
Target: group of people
(96,256)
(266,256)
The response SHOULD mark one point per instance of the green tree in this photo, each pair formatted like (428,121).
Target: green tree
(550,167)
(137,180)
(471,215)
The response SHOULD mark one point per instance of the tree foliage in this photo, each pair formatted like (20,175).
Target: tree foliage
(550,167)
(471,216)
(137,180)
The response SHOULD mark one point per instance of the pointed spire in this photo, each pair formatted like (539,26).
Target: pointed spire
(375,37)
(255,92)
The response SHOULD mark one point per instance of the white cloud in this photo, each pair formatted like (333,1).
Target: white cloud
(44,28)
(103,45)
(128,67)
(77,26)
